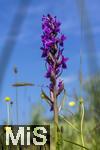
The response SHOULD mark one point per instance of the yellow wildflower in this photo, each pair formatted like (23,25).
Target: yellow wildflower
(81,100)
(72,103)
(7,99)
(42,96)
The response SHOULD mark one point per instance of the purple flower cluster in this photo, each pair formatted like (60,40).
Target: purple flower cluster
(52,50)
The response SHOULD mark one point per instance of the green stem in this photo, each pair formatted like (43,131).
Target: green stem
(16,80)
(8,113)
(82,121)
(69,123)
(11,114)
(55,116)
(17,105)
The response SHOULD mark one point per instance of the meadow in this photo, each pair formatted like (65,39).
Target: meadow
(53,85)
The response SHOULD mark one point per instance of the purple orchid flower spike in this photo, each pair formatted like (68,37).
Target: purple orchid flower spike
(52,51)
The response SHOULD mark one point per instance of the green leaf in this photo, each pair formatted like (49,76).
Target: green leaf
(62,101)
(76,144)
(45,97)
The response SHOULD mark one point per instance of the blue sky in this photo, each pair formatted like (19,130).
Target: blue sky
(26,54)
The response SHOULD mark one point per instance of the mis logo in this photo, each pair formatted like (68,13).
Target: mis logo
(30,135)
